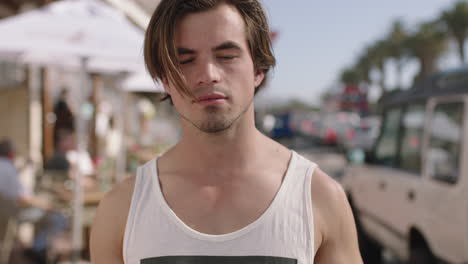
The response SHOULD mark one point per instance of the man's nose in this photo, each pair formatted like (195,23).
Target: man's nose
(208,73)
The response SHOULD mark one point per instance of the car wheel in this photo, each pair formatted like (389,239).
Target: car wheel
(421,255)
(371,251)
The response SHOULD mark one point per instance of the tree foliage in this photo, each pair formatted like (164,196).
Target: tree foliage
(456,22)
(425,43)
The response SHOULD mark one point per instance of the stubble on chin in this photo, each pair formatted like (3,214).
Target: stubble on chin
(216,121)
(214,126)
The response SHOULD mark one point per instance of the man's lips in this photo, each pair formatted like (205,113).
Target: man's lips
(210,98)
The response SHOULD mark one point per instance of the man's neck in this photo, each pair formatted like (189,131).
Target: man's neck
(233,149)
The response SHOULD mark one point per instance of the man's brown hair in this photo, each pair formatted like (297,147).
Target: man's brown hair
(160,51)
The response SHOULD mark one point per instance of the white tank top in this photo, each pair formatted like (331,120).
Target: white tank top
(283,234)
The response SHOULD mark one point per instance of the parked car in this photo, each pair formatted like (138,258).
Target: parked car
(411,195)
(282,127)
(306,124)
(363,136)
(337,128)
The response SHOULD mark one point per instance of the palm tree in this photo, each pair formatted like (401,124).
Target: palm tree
(377,56)
(427,45)
(456,22)
(397,50)
(350,76)
(364,67)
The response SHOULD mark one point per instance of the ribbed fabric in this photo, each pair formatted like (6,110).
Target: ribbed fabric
(285,231)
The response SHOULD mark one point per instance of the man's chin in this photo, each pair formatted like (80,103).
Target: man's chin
(214,127)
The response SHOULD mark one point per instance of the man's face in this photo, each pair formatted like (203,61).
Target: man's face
(216,63)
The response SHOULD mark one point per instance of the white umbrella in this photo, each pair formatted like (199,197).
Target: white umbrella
(86,31)
(141,82)
(82,28)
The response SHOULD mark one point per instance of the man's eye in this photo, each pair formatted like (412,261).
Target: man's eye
(227,57)
(186,61)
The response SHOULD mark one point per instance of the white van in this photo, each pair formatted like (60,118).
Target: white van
(411,194)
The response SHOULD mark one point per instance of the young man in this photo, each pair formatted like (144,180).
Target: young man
(225,193)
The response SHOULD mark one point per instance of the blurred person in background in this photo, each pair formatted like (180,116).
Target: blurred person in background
(58,167)
(10,185)
(33,209)
(64,116)
(65,143)
(225,193)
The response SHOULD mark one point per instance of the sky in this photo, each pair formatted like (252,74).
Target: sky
(317,39)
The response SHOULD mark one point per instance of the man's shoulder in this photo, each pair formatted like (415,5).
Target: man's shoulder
(120,192)
(327,189)
(108,229)
(329,201)
(334,221)
(328,195)
(116,203)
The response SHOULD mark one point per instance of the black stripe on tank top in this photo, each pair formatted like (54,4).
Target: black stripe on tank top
(218,260)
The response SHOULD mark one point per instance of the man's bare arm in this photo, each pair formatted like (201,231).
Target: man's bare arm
(339,244)
(108,228)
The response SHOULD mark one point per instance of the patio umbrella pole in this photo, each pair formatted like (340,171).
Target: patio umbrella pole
(77,232)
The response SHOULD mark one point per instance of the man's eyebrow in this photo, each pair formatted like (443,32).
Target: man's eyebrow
(227,45)
(184,51)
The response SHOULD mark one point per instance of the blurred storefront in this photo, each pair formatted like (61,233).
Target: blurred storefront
(123,123)
(29,88)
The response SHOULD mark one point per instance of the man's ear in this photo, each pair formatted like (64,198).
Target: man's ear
(259,77)
(167,87)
